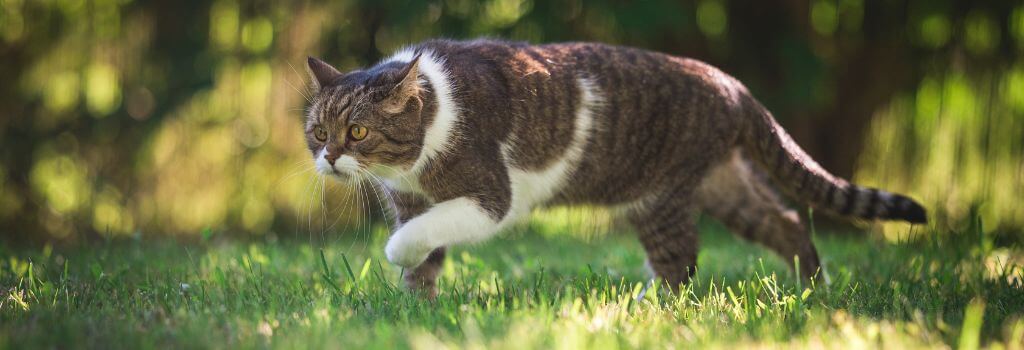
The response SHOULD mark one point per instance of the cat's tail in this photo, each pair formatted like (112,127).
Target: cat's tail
(805,180)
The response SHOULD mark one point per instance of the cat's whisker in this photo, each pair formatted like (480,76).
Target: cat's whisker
(402,175)
(350,202)
(319,210)
(308,167)
(360,203)
(310,191)
(304,95)
(396,202)
(380,182)
(323,209)
(318,193)
(299,210)
(368,209)
(302,162)
(380,204)
(332,211)
(342,205)
(387,192)
(318,188)
(373,189)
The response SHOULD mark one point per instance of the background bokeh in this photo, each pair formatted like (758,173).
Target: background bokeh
(182,118)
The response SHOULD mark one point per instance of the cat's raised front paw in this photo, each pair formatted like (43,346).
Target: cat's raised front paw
(405,251)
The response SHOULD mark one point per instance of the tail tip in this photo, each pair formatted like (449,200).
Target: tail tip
(911,211)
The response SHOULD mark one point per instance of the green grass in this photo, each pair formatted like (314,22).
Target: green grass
(520,291)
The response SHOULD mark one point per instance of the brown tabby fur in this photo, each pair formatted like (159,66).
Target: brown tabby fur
(671,137)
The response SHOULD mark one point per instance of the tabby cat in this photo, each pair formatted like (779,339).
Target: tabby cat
(470,136)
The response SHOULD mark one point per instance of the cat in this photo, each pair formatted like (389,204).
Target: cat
(471,136)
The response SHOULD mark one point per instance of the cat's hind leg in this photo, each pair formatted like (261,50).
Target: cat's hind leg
(735,194)
(666,227)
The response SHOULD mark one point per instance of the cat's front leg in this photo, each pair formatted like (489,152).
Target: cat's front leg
(423,278)
(456,221)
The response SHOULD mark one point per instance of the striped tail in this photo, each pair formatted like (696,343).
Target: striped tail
(805,180)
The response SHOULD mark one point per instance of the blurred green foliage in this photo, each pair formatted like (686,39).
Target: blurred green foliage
(124,117)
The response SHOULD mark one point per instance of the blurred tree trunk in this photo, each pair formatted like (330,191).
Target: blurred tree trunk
(870,78)
(860,73)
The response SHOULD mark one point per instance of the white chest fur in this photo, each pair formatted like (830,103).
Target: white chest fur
(463,220)
(532,188)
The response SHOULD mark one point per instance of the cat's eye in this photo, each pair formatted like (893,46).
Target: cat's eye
(320,133)
(357,132)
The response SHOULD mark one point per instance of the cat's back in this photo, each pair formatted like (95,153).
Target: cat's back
(500,69)
(596,59)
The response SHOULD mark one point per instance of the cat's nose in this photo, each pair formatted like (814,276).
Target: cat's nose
(331,157)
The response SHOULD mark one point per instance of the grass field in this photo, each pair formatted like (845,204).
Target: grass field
(525,290)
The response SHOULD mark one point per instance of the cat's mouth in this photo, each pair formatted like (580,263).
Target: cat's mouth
(338,175)
(342,168)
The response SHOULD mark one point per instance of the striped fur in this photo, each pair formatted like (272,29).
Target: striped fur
(736,194)
(802,177)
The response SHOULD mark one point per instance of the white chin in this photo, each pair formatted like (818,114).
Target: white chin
(335,173)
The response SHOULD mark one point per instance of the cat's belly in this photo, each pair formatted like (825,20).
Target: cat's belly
(550,188)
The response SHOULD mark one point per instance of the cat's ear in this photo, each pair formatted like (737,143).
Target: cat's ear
(321,73)
(407,88)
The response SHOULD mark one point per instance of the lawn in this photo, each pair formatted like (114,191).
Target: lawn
(531,289)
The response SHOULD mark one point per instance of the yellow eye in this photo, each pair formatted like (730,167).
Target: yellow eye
(320,133)
(357,132)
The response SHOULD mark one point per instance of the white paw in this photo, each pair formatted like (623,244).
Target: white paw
(403,249)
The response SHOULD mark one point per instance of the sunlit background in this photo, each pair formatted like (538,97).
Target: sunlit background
(182,118)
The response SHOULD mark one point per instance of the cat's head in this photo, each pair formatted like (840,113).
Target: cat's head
(366,120)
